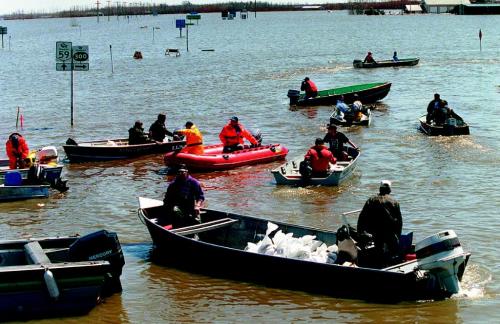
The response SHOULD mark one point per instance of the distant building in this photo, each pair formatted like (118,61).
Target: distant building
(413,9)
(441,6)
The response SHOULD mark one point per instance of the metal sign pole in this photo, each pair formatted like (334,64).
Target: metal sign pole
(187,38)
(72,93)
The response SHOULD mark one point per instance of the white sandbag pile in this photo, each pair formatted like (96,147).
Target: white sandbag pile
(285,245)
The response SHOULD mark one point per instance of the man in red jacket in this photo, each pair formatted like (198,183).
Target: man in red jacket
(309,87)
(232,136)
(320,158)
(17,151)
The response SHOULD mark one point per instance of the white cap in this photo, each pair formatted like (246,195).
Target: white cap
(386,184)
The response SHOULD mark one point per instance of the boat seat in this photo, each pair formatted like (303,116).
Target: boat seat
(203,227)
(35,254)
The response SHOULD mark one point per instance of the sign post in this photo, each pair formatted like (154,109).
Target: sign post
(480,38)
(180,23)
(3,31)
(71,58)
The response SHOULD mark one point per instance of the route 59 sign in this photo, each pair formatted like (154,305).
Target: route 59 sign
(71,58)
(63,52)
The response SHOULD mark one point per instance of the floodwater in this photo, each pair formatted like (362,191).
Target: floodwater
(441,183)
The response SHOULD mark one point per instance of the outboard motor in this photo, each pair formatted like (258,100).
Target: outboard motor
(104,246)
(294,96)
(46,155)
(258,135)
(442,255)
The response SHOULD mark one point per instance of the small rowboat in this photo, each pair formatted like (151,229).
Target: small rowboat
(58,276)
(452,126)
(348,119)
(105,150)
(214,159)
(386,63)
(367,93)
(218,246)
(289,172)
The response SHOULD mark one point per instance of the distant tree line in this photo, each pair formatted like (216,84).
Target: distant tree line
(134,9)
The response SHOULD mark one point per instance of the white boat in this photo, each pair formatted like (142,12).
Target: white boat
(289,172)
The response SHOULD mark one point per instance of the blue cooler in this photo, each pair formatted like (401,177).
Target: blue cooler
(13,178)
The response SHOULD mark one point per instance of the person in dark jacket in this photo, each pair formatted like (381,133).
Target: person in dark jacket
(381,218)
(158,131)
(136,134)
(432,107)
(185,195)
(336,141)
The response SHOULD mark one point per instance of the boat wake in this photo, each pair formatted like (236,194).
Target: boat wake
(474,283)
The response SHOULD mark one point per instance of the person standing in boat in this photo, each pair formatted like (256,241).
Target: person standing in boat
(395,56)
(17,151)
(369,58)
(381,218)
(136,134)
(336,141)
(184,195)
(233,134)
(194,139)
(158,131)
(319,158)
(432,107)
(309,87)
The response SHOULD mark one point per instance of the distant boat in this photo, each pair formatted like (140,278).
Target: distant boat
(115,149)
(452,126)
(349,120)
(367,93)
(386,63)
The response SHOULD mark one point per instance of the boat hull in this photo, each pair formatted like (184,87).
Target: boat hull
(214,159)
(367,93)
(116,149)
(289,174)
(387,63)
(221,253)
(49,172)
(10,193)
(445,130)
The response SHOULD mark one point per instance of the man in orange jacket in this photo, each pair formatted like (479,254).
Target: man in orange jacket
(17,151)
(309,87)
(232,136)
(320,158)
(194,139)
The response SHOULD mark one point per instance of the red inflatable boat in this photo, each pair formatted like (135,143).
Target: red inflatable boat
(214,159)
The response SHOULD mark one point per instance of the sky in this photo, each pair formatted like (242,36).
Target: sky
(27,6)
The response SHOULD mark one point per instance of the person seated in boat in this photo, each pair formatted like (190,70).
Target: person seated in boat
(357,108)
(444,112)
(17,151)
(395,56)
(184,197)
(194,139)
(369,58)
(232,136)
(319,158)
(381,218)
(342,108)
(432,107)
(158,131)
(309,88)
(136,134)
(336,141)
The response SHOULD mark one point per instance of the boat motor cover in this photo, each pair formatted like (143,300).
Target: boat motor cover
(100,245)
(47,154)
(441,242)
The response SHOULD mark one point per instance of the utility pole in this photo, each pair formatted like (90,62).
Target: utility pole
(97,3)
(109,9)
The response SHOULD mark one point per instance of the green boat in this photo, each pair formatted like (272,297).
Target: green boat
(367,93)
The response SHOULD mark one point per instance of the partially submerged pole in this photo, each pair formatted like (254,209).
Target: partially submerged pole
(480,39)
(111,54)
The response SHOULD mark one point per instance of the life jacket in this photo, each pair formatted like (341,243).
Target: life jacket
(17,150)
(320,158)
(230,135)
(194,140)
(312,86)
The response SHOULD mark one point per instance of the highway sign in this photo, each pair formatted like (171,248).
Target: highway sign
(81,54)
(63,66)
(180,23)
(3,30)
(63,52)
(80,66)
